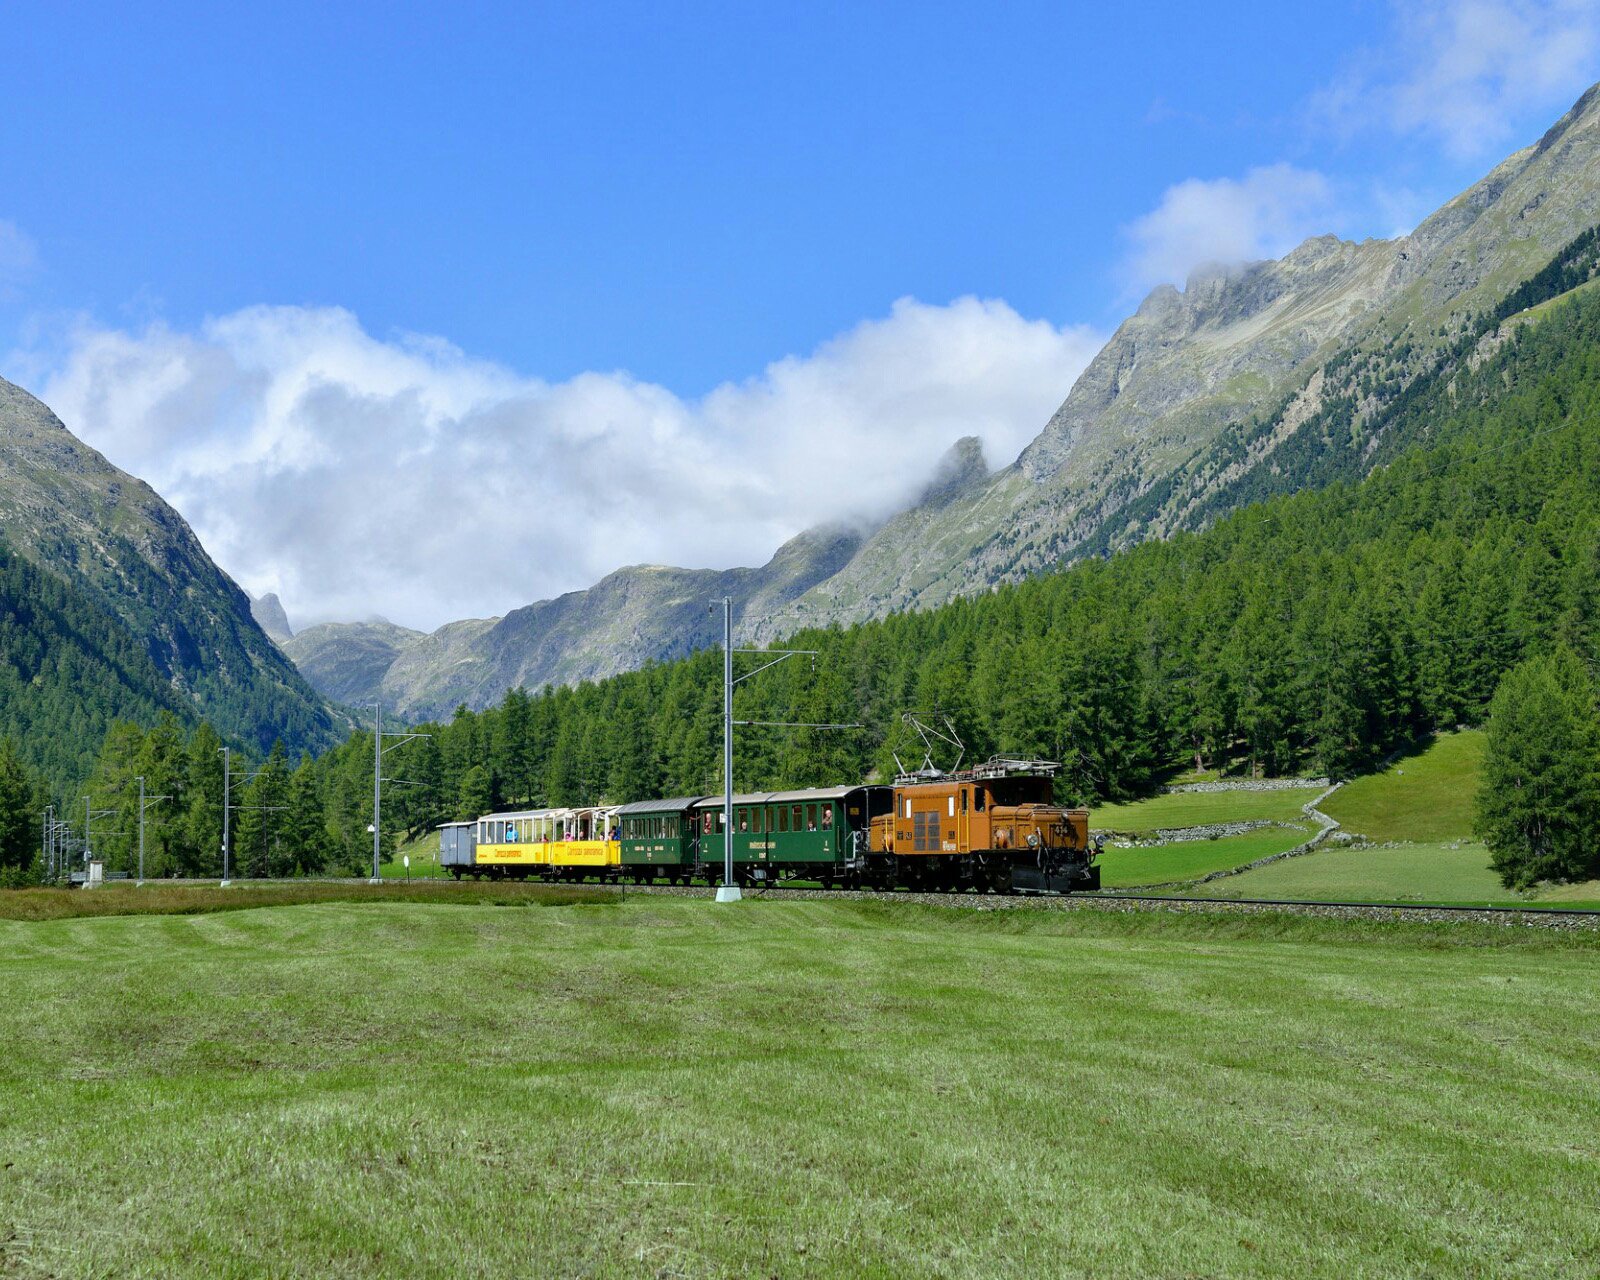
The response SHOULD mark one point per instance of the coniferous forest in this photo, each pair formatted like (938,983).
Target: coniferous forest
(1315,632)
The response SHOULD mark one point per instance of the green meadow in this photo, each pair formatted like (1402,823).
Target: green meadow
(1123,868)
(1427,795)
(664,1087)
(1203,808)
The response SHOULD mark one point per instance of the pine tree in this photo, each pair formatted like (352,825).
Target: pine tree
(305,833)
(19,817)
(202,810)
(1539,801)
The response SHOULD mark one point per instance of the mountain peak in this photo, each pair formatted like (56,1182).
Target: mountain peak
(268,612)
(962,466)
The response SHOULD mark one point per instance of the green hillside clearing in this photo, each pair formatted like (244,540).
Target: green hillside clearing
(1400,873)
(1202,808)
(399,1089)
(1427,795)
(1188,859)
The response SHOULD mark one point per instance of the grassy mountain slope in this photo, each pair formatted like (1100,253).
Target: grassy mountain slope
(113,543)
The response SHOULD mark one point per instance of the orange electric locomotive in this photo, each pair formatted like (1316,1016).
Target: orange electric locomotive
(994,827)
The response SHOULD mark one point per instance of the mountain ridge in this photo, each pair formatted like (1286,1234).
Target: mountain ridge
(118,546)
(1143,444)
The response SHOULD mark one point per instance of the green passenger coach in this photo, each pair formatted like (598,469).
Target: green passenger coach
(819,834)
(659,839)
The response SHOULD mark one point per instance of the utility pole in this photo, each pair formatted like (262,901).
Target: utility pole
(729,891)
(227,803)
(377,787)
(143,805)
(378,735)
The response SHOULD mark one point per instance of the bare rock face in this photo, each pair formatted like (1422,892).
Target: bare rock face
(268,612)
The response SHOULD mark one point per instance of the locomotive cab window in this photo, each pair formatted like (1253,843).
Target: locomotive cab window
(963,799)
(977,799)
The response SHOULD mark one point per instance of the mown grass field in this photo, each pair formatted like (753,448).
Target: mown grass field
(1187,859)
(1426,796)
(1204,808)
(664,1087)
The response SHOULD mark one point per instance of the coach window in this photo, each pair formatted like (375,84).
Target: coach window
(781,816)
(758,819)
(811,817)
(797,817)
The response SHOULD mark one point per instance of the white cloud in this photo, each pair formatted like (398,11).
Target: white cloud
(1224,220)
(1464,72)
(353,475)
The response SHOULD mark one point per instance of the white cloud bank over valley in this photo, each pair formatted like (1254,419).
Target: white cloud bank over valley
(355,476)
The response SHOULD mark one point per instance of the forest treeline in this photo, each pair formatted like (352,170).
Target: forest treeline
(1309,633)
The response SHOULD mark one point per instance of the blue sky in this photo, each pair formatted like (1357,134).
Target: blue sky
(686,194)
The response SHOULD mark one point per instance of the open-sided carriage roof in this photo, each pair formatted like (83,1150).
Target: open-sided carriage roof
(678,805)
(783,797)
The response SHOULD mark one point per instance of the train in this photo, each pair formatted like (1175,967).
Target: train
(993,827)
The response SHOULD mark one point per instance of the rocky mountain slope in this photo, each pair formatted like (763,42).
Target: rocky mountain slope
(1252,379)
(268,612)
(125,554)
(633,616)
(1237,343)
(346,661)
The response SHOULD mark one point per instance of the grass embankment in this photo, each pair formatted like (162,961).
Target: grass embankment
(1190,859)
(1202,809)
(1426,796)
(424,855)
(830,1089)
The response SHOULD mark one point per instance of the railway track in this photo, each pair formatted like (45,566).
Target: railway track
(1538,917)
